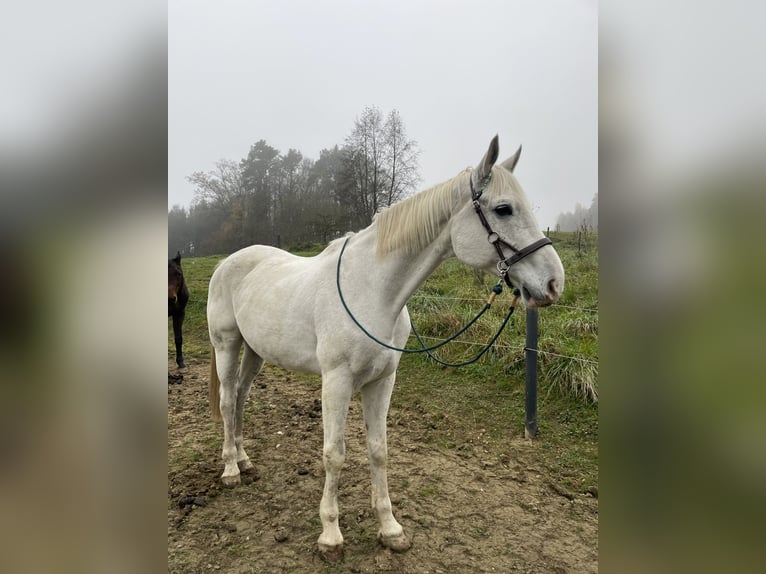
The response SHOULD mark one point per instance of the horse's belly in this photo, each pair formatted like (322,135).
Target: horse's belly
(286,354)
(281,338)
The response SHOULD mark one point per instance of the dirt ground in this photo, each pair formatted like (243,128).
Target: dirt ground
(466,509)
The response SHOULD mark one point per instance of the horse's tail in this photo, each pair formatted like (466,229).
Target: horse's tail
(214,390)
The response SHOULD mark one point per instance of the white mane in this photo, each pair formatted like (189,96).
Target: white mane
(414,223)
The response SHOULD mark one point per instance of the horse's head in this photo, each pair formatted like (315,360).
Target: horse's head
(175,277)
(504,222)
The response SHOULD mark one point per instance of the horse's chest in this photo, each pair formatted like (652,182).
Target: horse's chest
(362,361)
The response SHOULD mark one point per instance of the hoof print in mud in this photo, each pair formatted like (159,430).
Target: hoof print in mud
(331,554)
(248,478)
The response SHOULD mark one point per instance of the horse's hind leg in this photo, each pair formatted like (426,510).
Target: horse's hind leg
(249,367)
(226,358)
(376,397)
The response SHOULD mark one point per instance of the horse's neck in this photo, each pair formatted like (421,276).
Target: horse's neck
(396,276)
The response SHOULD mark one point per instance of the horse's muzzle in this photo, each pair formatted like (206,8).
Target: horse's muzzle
(532,299)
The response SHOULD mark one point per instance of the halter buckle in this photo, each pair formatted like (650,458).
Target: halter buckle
(502,268)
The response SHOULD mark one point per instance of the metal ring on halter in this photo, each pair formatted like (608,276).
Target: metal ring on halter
(502,268)
(493,237)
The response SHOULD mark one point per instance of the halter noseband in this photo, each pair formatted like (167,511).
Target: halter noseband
(504,264)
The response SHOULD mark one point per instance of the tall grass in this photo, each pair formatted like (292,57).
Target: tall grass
(568,360)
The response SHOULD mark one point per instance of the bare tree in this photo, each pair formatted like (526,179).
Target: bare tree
(380,160)
(401,156)
(223,190)
(364,158)
(222,186)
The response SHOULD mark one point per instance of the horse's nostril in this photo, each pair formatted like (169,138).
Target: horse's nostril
(552,287)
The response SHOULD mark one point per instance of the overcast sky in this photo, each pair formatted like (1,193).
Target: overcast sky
(297,73)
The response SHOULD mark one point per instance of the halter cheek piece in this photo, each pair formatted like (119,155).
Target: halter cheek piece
(504,264)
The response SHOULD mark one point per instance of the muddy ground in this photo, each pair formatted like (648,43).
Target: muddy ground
(473,508)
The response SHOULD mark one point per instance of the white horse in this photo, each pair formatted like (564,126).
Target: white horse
(286,310)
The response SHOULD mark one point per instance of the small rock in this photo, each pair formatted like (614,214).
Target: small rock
(199,501)
(281,534)
(302,471)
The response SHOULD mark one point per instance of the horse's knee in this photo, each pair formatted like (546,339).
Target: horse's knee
(378,453)
(333,458)
(227,410)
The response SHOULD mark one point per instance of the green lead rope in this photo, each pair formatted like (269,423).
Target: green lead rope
(469,361)
(496,290)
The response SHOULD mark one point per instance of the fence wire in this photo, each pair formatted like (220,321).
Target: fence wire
(522,348)
(585,309)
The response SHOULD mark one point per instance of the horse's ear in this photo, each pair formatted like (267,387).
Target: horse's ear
(177,258)
(511,162)
(489,159)
(492,152)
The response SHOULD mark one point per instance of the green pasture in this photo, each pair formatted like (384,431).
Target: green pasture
(485,400)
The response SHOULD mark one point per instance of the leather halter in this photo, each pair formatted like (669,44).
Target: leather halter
(504,264)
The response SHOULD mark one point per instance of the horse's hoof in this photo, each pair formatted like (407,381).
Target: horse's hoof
(396,543)
(230,481)
(182,369)
(331,554)
(246,466)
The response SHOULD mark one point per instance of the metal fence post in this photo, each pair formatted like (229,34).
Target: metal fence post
(530,403)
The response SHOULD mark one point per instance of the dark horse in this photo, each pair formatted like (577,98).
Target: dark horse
(178,296)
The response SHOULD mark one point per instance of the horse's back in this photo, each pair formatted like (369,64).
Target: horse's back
(231,272)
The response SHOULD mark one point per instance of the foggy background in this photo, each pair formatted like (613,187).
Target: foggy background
(298,74)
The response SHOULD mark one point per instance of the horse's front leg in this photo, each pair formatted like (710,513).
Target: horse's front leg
(336,395)
(376,398)
(178,320)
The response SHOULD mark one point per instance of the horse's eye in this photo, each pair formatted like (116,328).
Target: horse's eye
(504,210)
